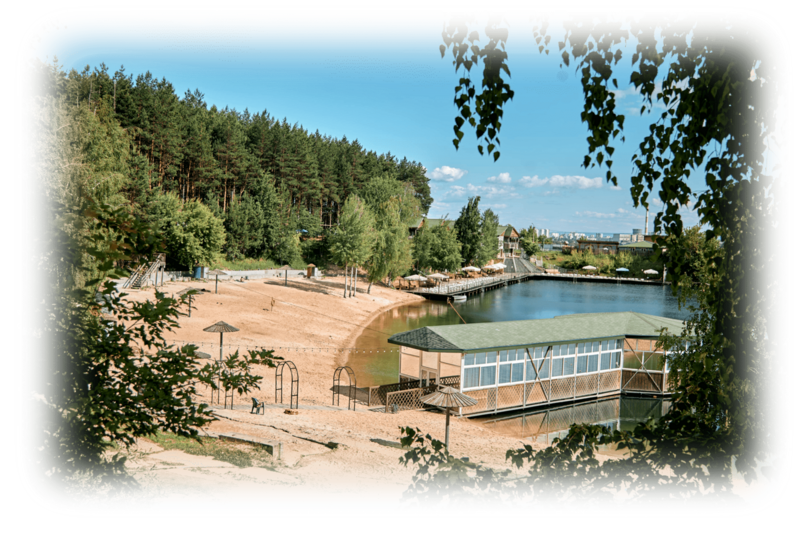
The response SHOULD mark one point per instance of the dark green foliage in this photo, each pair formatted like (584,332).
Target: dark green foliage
(437,249)
(245,228)
(489,240)
(191,232)
(467,228)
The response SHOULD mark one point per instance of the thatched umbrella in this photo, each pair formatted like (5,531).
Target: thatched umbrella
(221,328)
(447,397)
(217,273)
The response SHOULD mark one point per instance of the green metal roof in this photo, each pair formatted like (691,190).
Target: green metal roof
(433,222)
(640,244)
(519,333)
(417,223)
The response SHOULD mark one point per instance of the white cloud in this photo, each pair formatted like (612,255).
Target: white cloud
(615,188)
(446,173)
(619,213)
(496,206)
(535,181)
(503,177)
(575,182)
(485,191)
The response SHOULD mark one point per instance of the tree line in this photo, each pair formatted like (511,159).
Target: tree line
(246,184)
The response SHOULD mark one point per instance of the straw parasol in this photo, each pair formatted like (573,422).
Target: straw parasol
(589,267)
(217,273)
(221,328)
(416,277)
(447,397)
(650,271)
(470,269)
(438,276)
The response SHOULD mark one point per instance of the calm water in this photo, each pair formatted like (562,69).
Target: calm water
(543,425)
(379,363)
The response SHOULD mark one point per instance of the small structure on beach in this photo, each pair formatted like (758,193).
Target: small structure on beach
(526,363)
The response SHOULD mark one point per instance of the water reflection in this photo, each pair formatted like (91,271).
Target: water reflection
(543,425)
(377,362)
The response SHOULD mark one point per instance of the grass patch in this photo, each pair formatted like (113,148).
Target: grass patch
(241,455)
(253,264)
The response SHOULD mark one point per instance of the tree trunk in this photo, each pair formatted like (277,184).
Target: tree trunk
(355,285)
(369,288)
(345,280)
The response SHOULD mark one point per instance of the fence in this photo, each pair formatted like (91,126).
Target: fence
(466,285)
(378,395)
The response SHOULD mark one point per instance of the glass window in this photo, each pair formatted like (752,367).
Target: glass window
(504,373)
(631,360)
(488,375)
(503,356)
(605,362)
(557,367)
(480,358)
(615,360)
(518,372)
(596,346)
(470,377)
(581,347)
(568,366)
(555,351)
(538,353)
(468,360)
(592,362)
(582,364)
(564,349)
(571,348)
(604,346)
(619,344)
(543,372)
(491,357)
(530,370)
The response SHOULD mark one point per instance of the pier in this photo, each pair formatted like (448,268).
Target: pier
(470,287)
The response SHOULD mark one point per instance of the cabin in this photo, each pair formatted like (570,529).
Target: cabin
(508,242)
(643,248)
(598,247)
(415,227)
(528,363)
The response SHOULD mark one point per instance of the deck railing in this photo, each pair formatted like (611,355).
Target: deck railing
(469,284)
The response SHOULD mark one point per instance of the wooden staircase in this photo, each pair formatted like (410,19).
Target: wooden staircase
(141,276)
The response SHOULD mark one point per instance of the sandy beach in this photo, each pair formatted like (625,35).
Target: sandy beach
(327,451)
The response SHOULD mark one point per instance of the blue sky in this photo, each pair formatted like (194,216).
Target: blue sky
(392,91)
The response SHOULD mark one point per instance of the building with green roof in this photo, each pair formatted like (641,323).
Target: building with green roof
(524,363)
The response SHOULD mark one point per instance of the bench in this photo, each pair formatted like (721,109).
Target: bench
(258,405)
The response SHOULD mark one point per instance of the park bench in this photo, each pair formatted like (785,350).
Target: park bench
(258,405)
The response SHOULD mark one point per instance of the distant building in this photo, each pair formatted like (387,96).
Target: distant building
(598,247)
(638,248)
(508,241)
(415,227)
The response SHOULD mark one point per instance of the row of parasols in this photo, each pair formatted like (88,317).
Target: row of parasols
(648,271)
(441,277)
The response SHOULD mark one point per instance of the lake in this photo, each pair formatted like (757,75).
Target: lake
(377,362)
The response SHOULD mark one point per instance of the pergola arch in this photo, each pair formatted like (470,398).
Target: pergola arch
(295,384)
(337,387)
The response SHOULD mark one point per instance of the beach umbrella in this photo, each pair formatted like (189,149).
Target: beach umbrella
(650,271)
(438,276)
(589,267)
(221,328)
(470,269)
(622,269)
(416,277)
(217,273)
(447,397)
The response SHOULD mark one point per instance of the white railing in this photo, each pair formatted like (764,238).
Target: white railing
(468,284)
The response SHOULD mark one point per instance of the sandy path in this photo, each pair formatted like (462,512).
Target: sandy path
(307,314)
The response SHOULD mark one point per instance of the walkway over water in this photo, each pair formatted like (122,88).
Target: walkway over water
(467,287)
